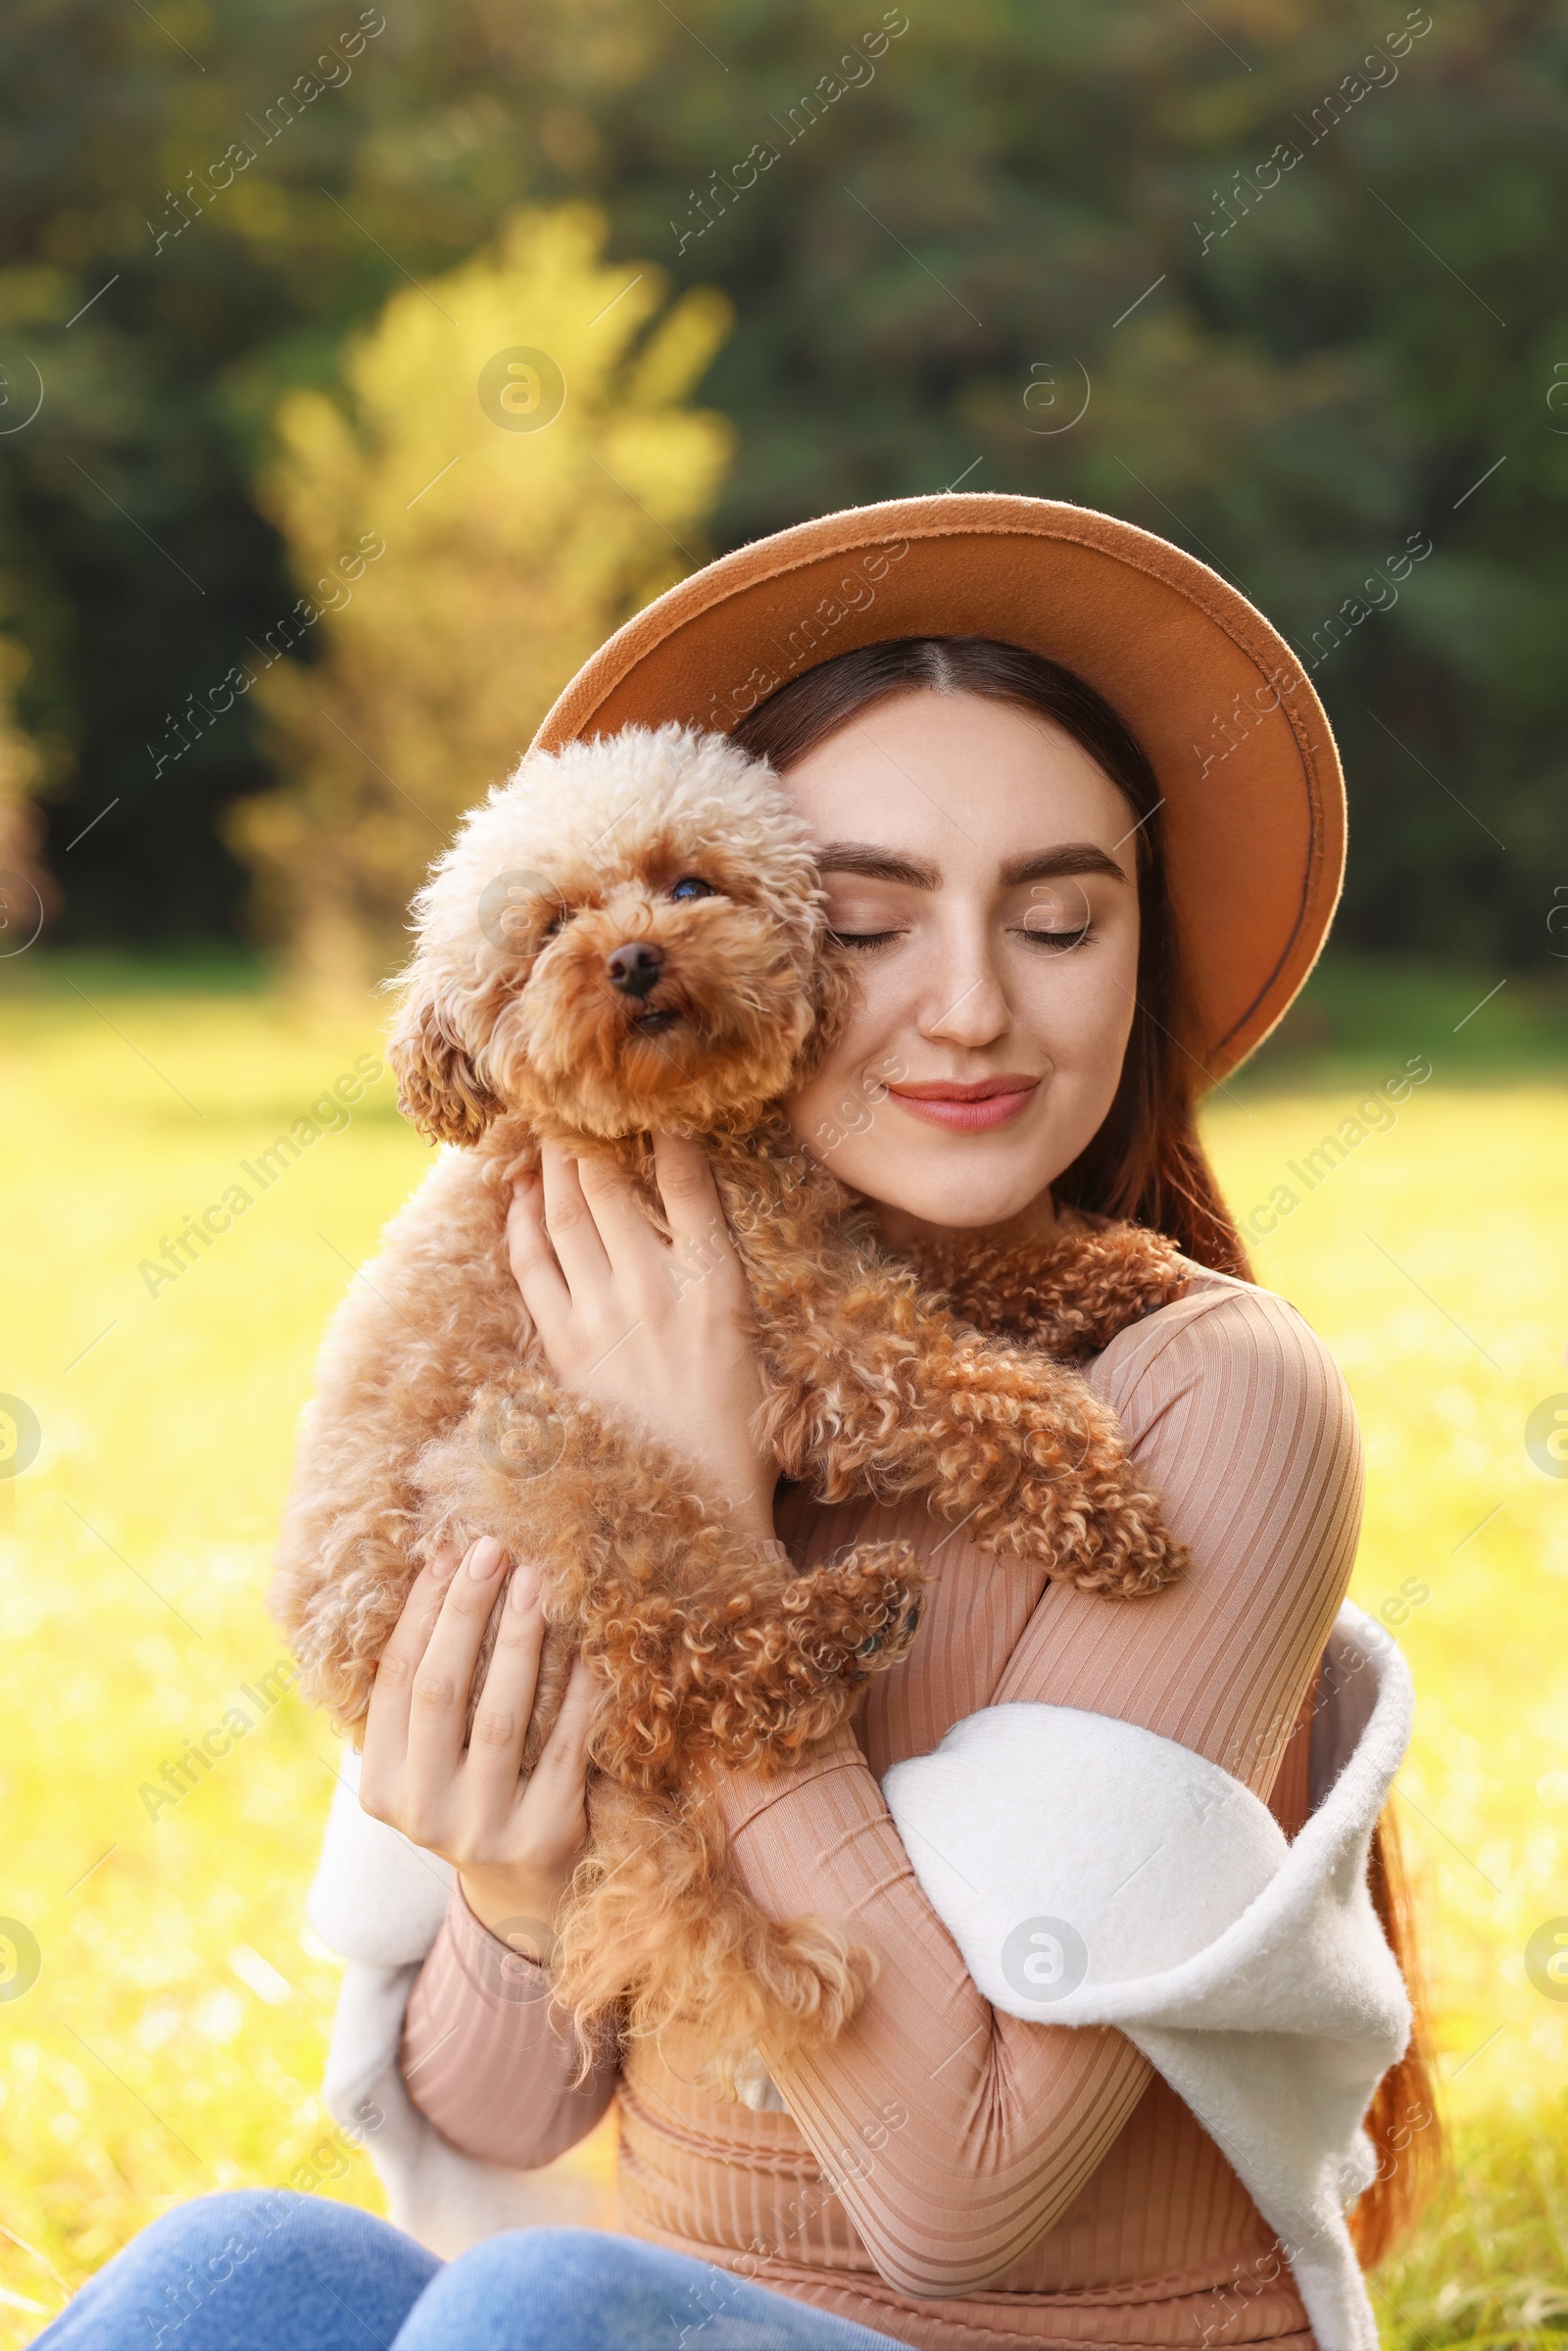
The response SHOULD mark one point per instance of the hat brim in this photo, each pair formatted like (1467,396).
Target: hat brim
(1253,812)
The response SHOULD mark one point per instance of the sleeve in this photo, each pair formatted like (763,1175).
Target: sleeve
(954,2135)
(486,2060)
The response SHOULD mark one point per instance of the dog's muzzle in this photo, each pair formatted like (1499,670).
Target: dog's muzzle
(635,968)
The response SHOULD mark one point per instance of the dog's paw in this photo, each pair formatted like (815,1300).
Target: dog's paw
(1097,1529)
(757,1678)
(793,1678)
(1139,1555)
(855,1615)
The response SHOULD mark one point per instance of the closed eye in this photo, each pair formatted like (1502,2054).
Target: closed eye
(863,939)
(1058,942)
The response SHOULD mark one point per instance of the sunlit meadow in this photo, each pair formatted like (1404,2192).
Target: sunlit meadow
(174,2035)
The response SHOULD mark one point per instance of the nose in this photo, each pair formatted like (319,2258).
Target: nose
(634,968)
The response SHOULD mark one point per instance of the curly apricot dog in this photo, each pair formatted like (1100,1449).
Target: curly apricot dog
(629,935)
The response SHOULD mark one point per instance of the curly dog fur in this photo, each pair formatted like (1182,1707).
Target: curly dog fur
(436,1420)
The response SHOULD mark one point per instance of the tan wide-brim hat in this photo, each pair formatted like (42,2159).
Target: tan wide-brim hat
(1253,812)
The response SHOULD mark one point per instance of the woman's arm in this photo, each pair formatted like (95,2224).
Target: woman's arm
(485,2056)
(1240,1420)
(482,2053)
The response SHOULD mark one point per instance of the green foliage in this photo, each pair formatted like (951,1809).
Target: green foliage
(1302,257)
(1359,1016)
(27,891)
(510,553)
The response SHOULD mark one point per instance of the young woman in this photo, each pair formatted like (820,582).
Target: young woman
(1020,1064)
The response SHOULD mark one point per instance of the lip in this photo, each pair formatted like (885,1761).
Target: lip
(967,1107)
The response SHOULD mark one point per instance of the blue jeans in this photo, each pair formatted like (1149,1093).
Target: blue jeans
(270,2271)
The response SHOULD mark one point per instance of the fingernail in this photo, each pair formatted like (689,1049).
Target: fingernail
(524,1590)
(485,1558)
(443,1567)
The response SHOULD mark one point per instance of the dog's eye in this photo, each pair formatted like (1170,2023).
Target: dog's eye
(692,885)
(561,916)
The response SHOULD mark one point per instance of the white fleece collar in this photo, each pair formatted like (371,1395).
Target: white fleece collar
(1092,1873)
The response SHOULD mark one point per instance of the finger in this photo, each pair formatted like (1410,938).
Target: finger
(562,1766)
(569,1224)
(692,1205)
(535,1268)
(632,1241)
(438,1709)
(505,1703)
(386,1724)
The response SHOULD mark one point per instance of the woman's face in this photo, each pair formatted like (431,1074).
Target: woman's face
(980,868)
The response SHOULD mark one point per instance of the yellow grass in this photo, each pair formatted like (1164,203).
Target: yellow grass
(174,2035)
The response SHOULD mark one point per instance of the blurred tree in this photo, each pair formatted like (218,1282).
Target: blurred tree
(467,523)
(29,892)
(1301,254)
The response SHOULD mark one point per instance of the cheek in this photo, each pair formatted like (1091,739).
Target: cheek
(1077,1004)
(1080,1007)
(868,1040)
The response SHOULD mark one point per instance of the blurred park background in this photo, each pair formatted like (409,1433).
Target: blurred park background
(360,371)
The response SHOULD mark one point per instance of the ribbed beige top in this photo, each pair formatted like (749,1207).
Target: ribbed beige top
(949,2176)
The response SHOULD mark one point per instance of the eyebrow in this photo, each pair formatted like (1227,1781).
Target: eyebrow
(877,864)
(1074,857)
(884,865)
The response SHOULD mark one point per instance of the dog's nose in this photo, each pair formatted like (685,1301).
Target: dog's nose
(634,968)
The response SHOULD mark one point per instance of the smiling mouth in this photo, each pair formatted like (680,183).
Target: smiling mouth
(966,1108)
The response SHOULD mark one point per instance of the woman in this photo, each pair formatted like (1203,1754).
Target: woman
(1056,944)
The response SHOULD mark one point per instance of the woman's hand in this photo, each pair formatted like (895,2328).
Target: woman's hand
(658,1335)
(514,1848)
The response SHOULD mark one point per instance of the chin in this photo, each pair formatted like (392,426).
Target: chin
(955,1189)
(960,1208)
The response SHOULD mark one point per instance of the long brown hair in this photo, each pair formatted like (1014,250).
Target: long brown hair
(1145,1164)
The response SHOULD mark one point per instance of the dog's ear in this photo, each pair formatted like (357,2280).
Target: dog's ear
(438,1086)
